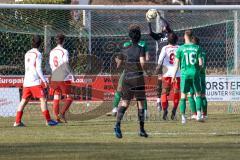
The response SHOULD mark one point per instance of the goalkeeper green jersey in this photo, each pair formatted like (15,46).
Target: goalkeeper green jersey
(188,55)
(140,43)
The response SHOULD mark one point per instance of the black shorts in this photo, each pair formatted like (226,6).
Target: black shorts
(133,87)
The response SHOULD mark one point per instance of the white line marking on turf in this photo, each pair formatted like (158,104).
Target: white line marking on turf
(167,133)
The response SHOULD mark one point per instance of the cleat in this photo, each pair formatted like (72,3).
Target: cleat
(159,106)
(51,123)
(62,118)
(143,133)
(199,116)
(194,117)
(59,120)
(173,115)
(21,124)
(184,120)
(118,132)
(112,113)
(165,113)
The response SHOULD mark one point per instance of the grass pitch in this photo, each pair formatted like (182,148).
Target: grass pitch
(217,138)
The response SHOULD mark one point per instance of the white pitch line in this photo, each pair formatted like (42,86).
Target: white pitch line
(166,133)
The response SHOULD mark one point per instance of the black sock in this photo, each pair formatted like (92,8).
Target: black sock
(120,114)
(141,118)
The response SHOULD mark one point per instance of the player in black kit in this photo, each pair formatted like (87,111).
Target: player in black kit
(162,39)
(133,60)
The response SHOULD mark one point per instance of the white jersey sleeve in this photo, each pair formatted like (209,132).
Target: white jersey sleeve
(33,71)
(162,56)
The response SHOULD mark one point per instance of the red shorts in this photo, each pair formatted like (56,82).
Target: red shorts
(34,91)
(167,84)
(60,88)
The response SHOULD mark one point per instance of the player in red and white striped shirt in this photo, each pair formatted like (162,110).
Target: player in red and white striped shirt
(61,78)
(32,83)
(166,58)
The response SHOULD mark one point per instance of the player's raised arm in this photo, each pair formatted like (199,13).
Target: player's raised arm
(165,28)
(155,36)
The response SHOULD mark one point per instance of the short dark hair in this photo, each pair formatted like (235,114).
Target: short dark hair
(172,38)
(189,33)
(60,38)
(195,40)
(135,33)
(36,41)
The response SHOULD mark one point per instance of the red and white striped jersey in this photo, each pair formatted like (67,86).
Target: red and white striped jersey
(58,60)
(33,71)
(166,58)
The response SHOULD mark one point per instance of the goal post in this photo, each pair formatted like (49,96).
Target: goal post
(99,34)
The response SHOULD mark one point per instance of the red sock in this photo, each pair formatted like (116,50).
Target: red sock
(56,107)
(67,104)
(19,116)
(176,98)
(46,115)
(164,101)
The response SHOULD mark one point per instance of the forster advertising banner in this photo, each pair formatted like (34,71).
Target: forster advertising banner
(219,88)
(102,88)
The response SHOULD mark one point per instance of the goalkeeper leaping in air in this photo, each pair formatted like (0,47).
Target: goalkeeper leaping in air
(162,39)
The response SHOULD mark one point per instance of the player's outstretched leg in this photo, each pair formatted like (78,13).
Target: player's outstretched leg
(117,98)
(183,109)
(164,105)
(145,107)
(18,121)
(176,97)
(192,106)
(141,118)
(120,114)
(55,107)
(159,92)
(198,107)
(67,104)
(204,107)
(45,112)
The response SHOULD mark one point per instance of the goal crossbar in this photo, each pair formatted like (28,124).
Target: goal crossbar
(119,7)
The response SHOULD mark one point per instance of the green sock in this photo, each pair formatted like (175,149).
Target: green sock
(117,98)
(145,105)
(198,103)
(182,105)
(192,104)
(204,105)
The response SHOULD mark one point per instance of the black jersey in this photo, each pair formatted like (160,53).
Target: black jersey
(132,56)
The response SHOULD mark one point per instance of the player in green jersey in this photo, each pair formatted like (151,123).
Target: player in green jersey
(196,41)
(189,58)
(117,94)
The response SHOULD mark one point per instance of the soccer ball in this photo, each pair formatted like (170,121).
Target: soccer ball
(151,15)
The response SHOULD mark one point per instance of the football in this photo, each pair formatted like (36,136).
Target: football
(151,15)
